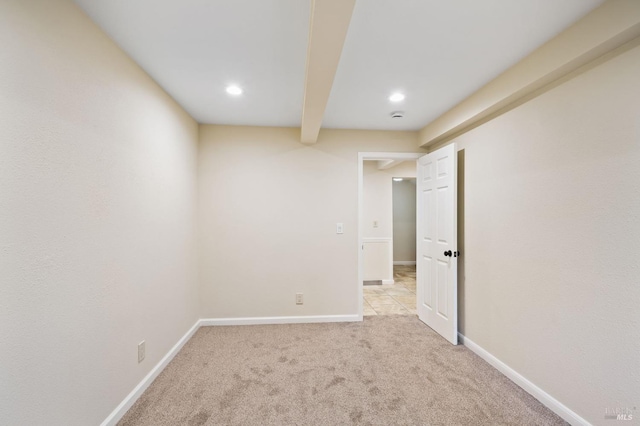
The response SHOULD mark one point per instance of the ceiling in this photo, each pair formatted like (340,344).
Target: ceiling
(436,52)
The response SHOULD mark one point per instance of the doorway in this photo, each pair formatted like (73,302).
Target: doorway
(386,264)
(390,208)
(404,237)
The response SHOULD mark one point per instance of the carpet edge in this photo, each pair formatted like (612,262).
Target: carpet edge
(114,417)
(547,400)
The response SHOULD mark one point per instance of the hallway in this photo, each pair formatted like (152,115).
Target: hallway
(393,299)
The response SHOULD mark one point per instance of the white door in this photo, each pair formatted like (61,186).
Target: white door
(437,256)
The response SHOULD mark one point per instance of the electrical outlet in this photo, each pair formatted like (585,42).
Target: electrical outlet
(142,351)
(299,299)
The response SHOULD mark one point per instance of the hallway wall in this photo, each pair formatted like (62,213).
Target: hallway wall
(404,220)
(378,208)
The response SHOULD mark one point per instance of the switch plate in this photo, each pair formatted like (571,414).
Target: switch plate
(142,351)
(299,299)
(339,228)
(375,223)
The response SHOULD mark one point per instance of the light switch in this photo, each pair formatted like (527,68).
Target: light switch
(375,223)
(339,228)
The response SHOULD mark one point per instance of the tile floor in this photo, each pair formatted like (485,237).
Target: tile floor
(394,299)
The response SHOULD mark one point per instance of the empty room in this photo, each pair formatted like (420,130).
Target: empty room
(199,222)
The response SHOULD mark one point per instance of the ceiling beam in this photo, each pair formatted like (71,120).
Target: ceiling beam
(607,30)
(327,33)
(387,164)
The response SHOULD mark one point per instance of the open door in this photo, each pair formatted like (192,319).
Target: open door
(437,255)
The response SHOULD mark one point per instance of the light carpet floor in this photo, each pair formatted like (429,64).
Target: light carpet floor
(387,370)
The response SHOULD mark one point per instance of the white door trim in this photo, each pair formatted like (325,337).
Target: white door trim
(362,156)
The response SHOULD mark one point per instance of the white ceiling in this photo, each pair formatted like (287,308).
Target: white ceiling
(437,52)
(195,48)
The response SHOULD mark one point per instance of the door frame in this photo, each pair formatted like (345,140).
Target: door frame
(362,156)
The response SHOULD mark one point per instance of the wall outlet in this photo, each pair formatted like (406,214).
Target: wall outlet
(299,299)
(142,351)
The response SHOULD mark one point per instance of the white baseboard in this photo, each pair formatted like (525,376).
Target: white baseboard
(404,262)
(279,320)
(130,399)
(549,401)
(124,406)
(389,282)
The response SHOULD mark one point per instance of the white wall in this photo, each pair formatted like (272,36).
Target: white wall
(97,216)
(551,238)
(378,196)
(378,205)
(377,240)
(404,220)
(376,201)
(268,212)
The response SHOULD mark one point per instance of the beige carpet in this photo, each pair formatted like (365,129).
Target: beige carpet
(387,370)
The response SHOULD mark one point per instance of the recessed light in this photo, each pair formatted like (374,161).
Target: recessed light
(396,97)
(234,90)
(397,180)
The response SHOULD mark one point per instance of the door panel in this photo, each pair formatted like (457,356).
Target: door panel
(437,240)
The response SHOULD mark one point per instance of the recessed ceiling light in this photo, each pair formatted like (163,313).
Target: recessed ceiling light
(396,97)
(397,179)
(234,90)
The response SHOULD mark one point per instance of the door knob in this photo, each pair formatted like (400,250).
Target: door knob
(447,253)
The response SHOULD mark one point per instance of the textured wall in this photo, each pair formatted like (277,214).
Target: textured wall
(551,238)
(97,217)
(268,212)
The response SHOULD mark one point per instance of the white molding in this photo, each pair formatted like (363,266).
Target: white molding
(404,262)
(130,399)
(387,164)
(388,282)
(390,155)
(551,403)
(279,320)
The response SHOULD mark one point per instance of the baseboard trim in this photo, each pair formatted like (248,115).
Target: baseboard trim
(546,399)
(279,320)
(130,399)
(388,282)
(404,262)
